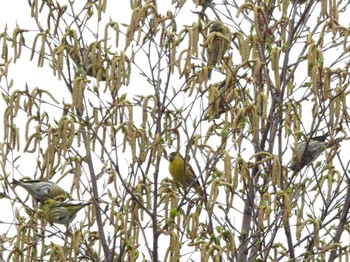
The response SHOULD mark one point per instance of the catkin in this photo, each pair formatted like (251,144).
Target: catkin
(286,207)
(228,167)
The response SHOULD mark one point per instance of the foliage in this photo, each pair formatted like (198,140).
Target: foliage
(119,96)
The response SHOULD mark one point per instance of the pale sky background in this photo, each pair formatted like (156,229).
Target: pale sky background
(24,72)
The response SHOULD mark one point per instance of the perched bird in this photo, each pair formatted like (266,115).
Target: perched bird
(89,61)
(41,190)
(204,3)
(220,98)
(308,152)
(218,44)
(61,212)
(183,173)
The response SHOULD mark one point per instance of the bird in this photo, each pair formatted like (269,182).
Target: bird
(83,58)
(204,3)
(218,44)
(61,212)
(41,189)
(183,173)
(220,100)
(308,151)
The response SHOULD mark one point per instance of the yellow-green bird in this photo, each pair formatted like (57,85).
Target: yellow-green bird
(218,45)
(61,212)
(183,173)
(41,190)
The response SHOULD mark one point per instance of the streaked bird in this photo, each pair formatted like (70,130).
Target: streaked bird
(218,44)
(221,99)
(41,190)
(61,212)
(92,63)
(204,3)
(308,151)
(183,173)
